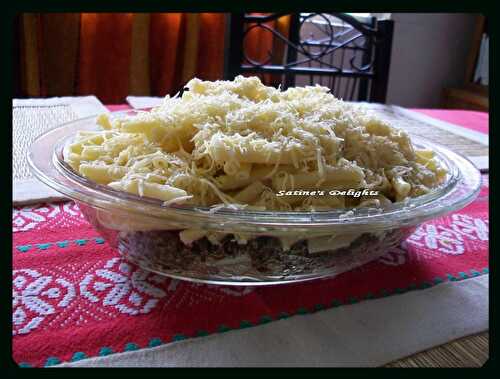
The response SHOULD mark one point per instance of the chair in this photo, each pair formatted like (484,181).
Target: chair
(350,55)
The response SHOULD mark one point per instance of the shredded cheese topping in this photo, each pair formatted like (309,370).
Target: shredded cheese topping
(240,142)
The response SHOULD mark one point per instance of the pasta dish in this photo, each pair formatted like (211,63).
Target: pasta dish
(315,186)
(243,144)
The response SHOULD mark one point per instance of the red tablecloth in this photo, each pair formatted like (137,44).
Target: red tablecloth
(119,107)
(473,120)
(75,298)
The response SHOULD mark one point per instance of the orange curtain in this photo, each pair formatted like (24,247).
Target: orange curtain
(164,68)
(211,56)
(112,55)
(195,44)
(105,50)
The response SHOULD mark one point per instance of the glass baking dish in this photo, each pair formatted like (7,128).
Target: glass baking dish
(146,232)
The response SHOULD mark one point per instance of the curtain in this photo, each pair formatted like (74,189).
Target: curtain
(112,55)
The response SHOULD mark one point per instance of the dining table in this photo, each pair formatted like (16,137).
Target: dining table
(77,303)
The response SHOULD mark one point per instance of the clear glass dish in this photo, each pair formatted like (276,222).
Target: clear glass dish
(146,232)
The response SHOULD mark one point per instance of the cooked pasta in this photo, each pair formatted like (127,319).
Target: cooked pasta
(240,143)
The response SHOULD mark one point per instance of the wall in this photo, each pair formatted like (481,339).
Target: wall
(429,52)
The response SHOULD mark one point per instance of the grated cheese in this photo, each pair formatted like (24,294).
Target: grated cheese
(219,138)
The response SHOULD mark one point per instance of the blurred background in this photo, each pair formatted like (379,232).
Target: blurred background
(408,59)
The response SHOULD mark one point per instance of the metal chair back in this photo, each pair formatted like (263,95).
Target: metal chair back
(350,55)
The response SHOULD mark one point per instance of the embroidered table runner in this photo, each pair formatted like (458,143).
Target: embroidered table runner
(74,297)
(365,334)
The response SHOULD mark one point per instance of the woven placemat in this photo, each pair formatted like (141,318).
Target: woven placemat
(31,118)
(467,143)
(471,351)
(28,122)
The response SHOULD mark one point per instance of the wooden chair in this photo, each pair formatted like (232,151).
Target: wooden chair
(350,55)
